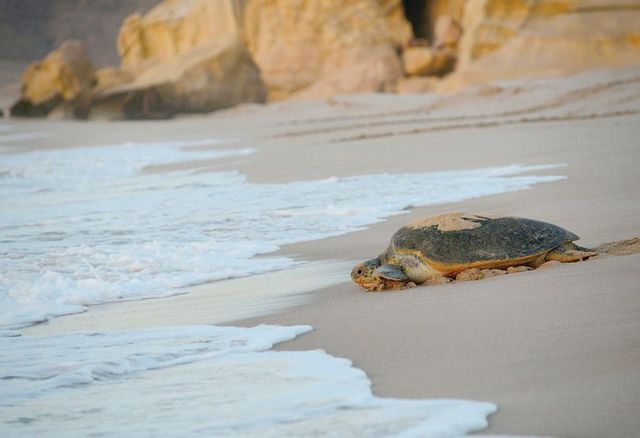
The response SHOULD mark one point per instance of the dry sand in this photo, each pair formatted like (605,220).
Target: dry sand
(558,349)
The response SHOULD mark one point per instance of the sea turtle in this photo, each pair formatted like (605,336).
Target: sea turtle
(439,248)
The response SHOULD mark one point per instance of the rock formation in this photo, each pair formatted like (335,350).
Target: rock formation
(63,78)
(182,56)
(310,48)
(203,55)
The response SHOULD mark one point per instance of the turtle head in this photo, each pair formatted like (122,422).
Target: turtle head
(362,273)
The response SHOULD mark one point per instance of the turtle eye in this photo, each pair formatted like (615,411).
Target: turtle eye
(359,271)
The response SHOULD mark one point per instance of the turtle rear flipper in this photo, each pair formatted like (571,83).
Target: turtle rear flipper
(570,252)
(391,272)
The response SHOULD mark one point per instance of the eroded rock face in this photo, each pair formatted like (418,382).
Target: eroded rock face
(214,76)
(544,38)
(312,48)
(62,79)
(490,24)
(569,43)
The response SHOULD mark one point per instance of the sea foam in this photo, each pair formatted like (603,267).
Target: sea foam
(204,381)
(90,225)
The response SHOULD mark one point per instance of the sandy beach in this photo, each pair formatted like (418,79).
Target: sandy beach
(556,349)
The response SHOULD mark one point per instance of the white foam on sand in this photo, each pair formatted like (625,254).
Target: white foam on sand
(204,381)
(86,225)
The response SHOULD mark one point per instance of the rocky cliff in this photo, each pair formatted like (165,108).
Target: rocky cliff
(180,52)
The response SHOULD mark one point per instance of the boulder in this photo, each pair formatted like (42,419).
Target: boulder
(213,76)
(63,78)
(417,60)
(426,61)
(297,44)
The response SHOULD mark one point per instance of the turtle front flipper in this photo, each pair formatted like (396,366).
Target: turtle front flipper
(391,272)
(392,277)
(570,252)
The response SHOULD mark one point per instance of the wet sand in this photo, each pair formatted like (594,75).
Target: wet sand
(557,349)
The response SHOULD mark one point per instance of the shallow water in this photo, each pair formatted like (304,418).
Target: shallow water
(88,225)
(204,381)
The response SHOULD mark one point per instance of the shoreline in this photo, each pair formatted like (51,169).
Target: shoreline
(556,349)
(207,303)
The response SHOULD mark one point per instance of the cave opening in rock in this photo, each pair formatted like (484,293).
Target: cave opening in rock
(416,12)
